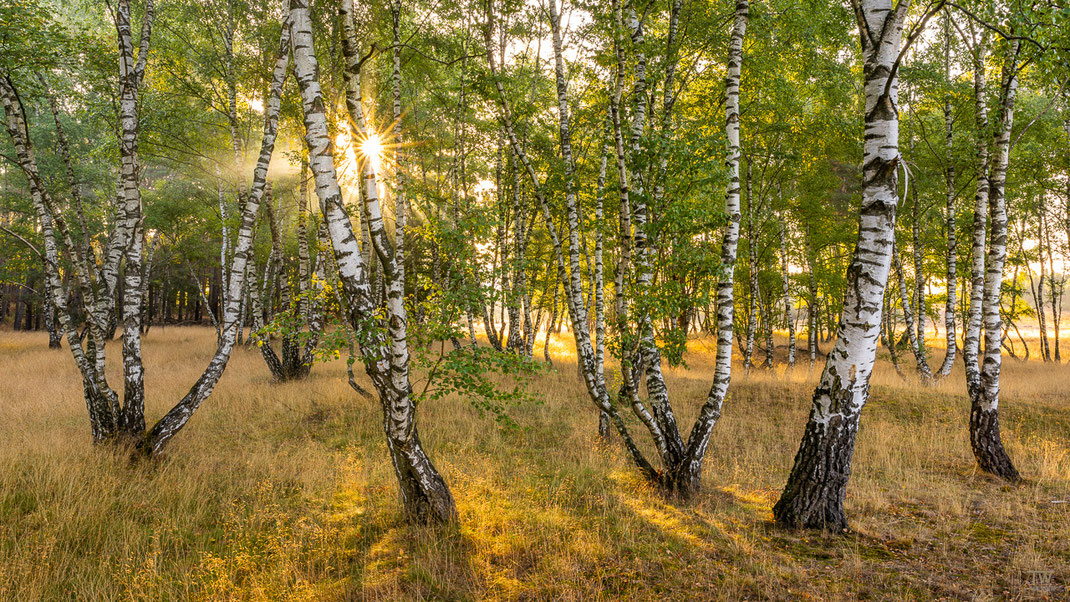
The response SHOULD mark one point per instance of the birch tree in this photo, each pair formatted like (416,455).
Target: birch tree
(110,420)
(383,342)
(681,459)
(951,256)
(982,381)
(814,494)
(985,435)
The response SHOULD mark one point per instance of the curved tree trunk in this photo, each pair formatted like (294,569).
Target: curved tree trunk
(175,419)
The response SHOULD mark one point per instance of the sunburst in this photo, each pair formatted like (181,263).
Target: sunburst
(372,149)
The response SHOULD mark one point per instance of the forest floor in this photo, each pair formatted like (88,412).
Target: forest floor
(285,492)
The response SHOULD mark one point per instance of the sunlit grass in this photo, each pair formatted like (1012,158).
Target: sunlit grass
(285,492)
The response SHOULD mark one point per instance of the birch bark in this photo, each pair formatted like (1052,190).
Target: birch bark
(972,341)
(985,435)
(789,301)
(682,463)
(688,474)
(175,419)
(951,257)
(384,351)
(814,493)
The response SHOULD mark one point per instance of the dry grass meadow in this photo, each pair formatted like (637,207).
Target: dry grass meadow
(285,492)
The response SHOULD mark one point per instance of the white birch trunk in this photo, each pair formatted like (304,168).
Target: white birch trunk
(814,494)
(951,257)
(984,415)
(175,419)
(386,358)
(689,473)
(789,301)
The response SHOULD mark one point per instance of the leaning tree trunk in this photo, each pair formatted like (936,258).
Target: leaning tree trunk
(815,491)
(175,419)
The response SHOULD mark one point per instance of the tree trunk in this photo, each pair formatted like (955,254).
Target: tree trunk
(908,317)
(811,305)
(686,477)
(752,267)
(951,256)
(972,339)
(919,279)
(984,413)
(386,358)
(789,302)
(814,494)
(767,327)
(178,416)
(1055,285)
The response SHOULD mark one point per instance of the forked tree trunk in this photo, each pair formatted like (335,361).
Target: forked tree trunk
(175,419)
(682,462)
(686,478)
(293,362)
(107,417)
(815,491)
(386,357)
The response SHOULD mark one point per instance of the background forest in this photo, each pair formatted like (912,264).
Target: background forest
(634,268)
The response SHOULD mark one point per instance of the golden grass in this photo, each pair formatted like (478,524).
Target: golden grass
(285,492)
